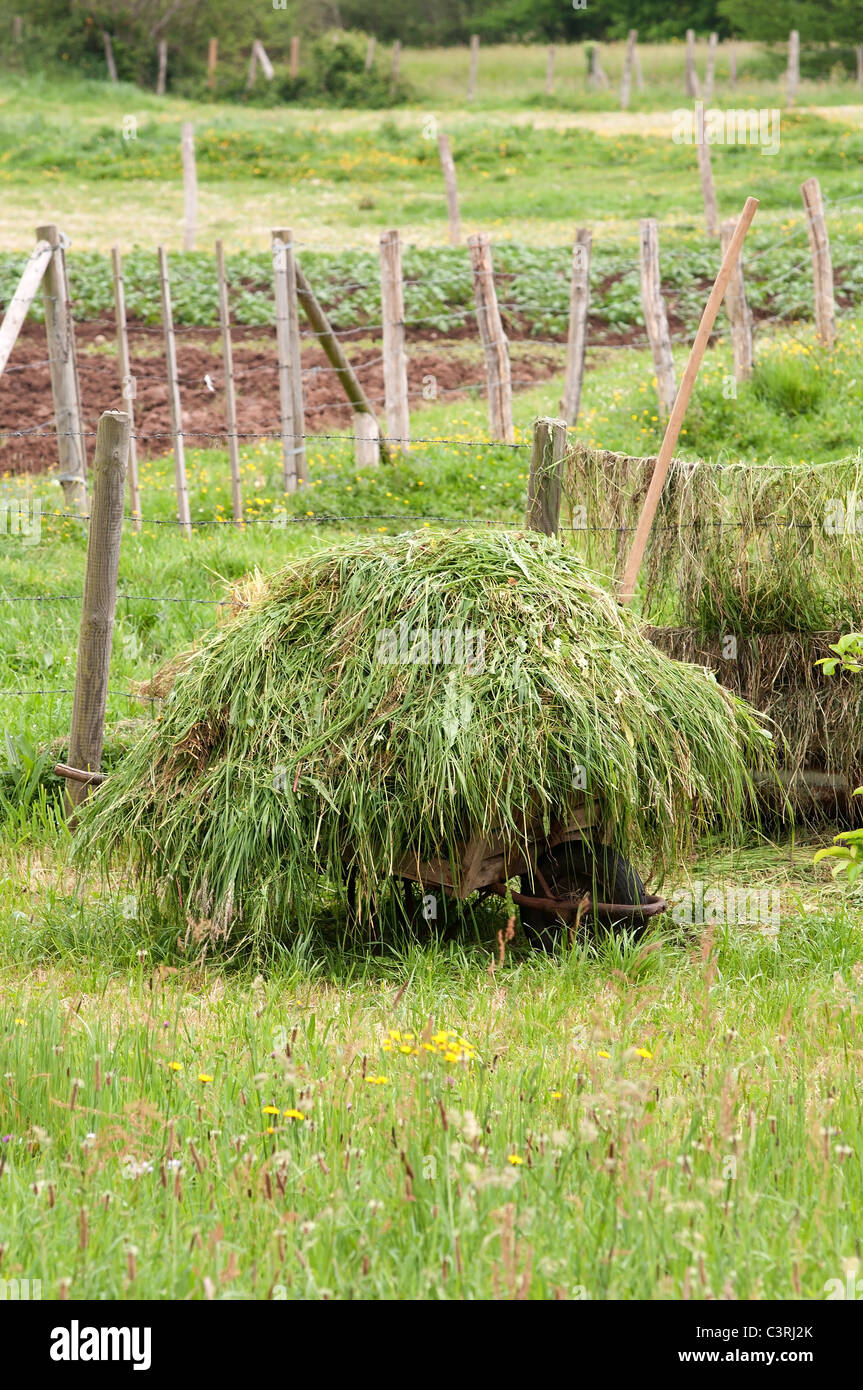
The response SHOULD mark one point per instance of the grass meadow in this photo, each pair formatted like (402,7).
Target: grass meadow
(450,1115)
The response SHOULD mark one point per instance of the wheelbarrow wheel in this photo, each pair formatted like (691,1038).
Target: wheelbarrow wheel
(570,871)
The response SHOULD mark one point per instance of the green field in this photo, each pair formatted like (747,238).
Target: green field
(450,1116)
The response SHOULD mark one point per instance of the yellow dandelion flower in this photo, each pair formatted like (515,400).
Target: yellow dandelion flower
(643,1052)
(176,1066)
(376,1080)
(293,1114)
(204,1077)
(603,1054)
(557,1095)
(515,1159)
(269,1110)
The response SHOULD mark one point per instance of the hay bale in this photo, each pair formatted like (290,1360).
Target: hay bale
(399,694)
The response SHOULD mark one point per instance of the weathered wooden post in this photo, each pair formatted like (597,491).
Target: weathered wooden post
(367,452)
(162,74)
(672,430)
(859,52)
(127,382)
(448,166)
(370,53)
(285,270)
(190,186)
(738,310)
(99,599)
(549,71)
(474,65)
(395,356)
(545,483)
(212,59)
(19,304)
(598,77)
(184,515)
(792,80)
(626,81)
(494,340)
(655,316)
(322,328)
(822,266)
(579,298)
(288,424)
(705,173)
(63,368)
(109,56)
(693,86)
(230,394)
(295,57)
(710,72)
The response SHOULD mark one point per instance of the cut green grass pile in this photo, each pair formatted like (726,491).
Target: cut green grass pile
(403,694)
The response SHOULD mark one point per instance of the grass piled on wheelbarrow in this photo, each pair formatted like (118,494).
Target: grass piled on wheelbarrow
(400,693)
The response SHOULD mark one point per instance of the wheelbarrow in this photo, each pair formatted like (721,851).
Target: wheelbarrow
(581,878)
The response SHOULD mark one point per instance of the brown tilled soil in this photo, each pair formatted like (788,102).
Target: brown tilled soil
(25,391)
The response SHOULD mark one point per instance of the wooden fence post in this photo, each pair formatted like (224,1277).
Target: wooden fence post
(295,56)
(474,65)
(626,81)
(289,427)
(859,52)
(109,55)
(63,368)
(792,80)
(190,186)
(710,72)
(127,382)
(99,599)
(655,316)
(367,452)
(626,592)
(636,68)
(579,298)
(212,59)
(738,310)
(253,66)
(395,356)
(230,394)
(163,68)
(494,340)
(370,54)
(598,76)
(184,516)
(18,306)
(693,86)
(545,483)
(16,28)
(322,328)
(446,159)
(822,267)
(266,66)
(397,59)
(549,71)
(705,173)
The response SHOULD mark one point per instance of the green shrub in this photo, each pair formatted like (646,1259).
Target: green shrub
(336,76)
